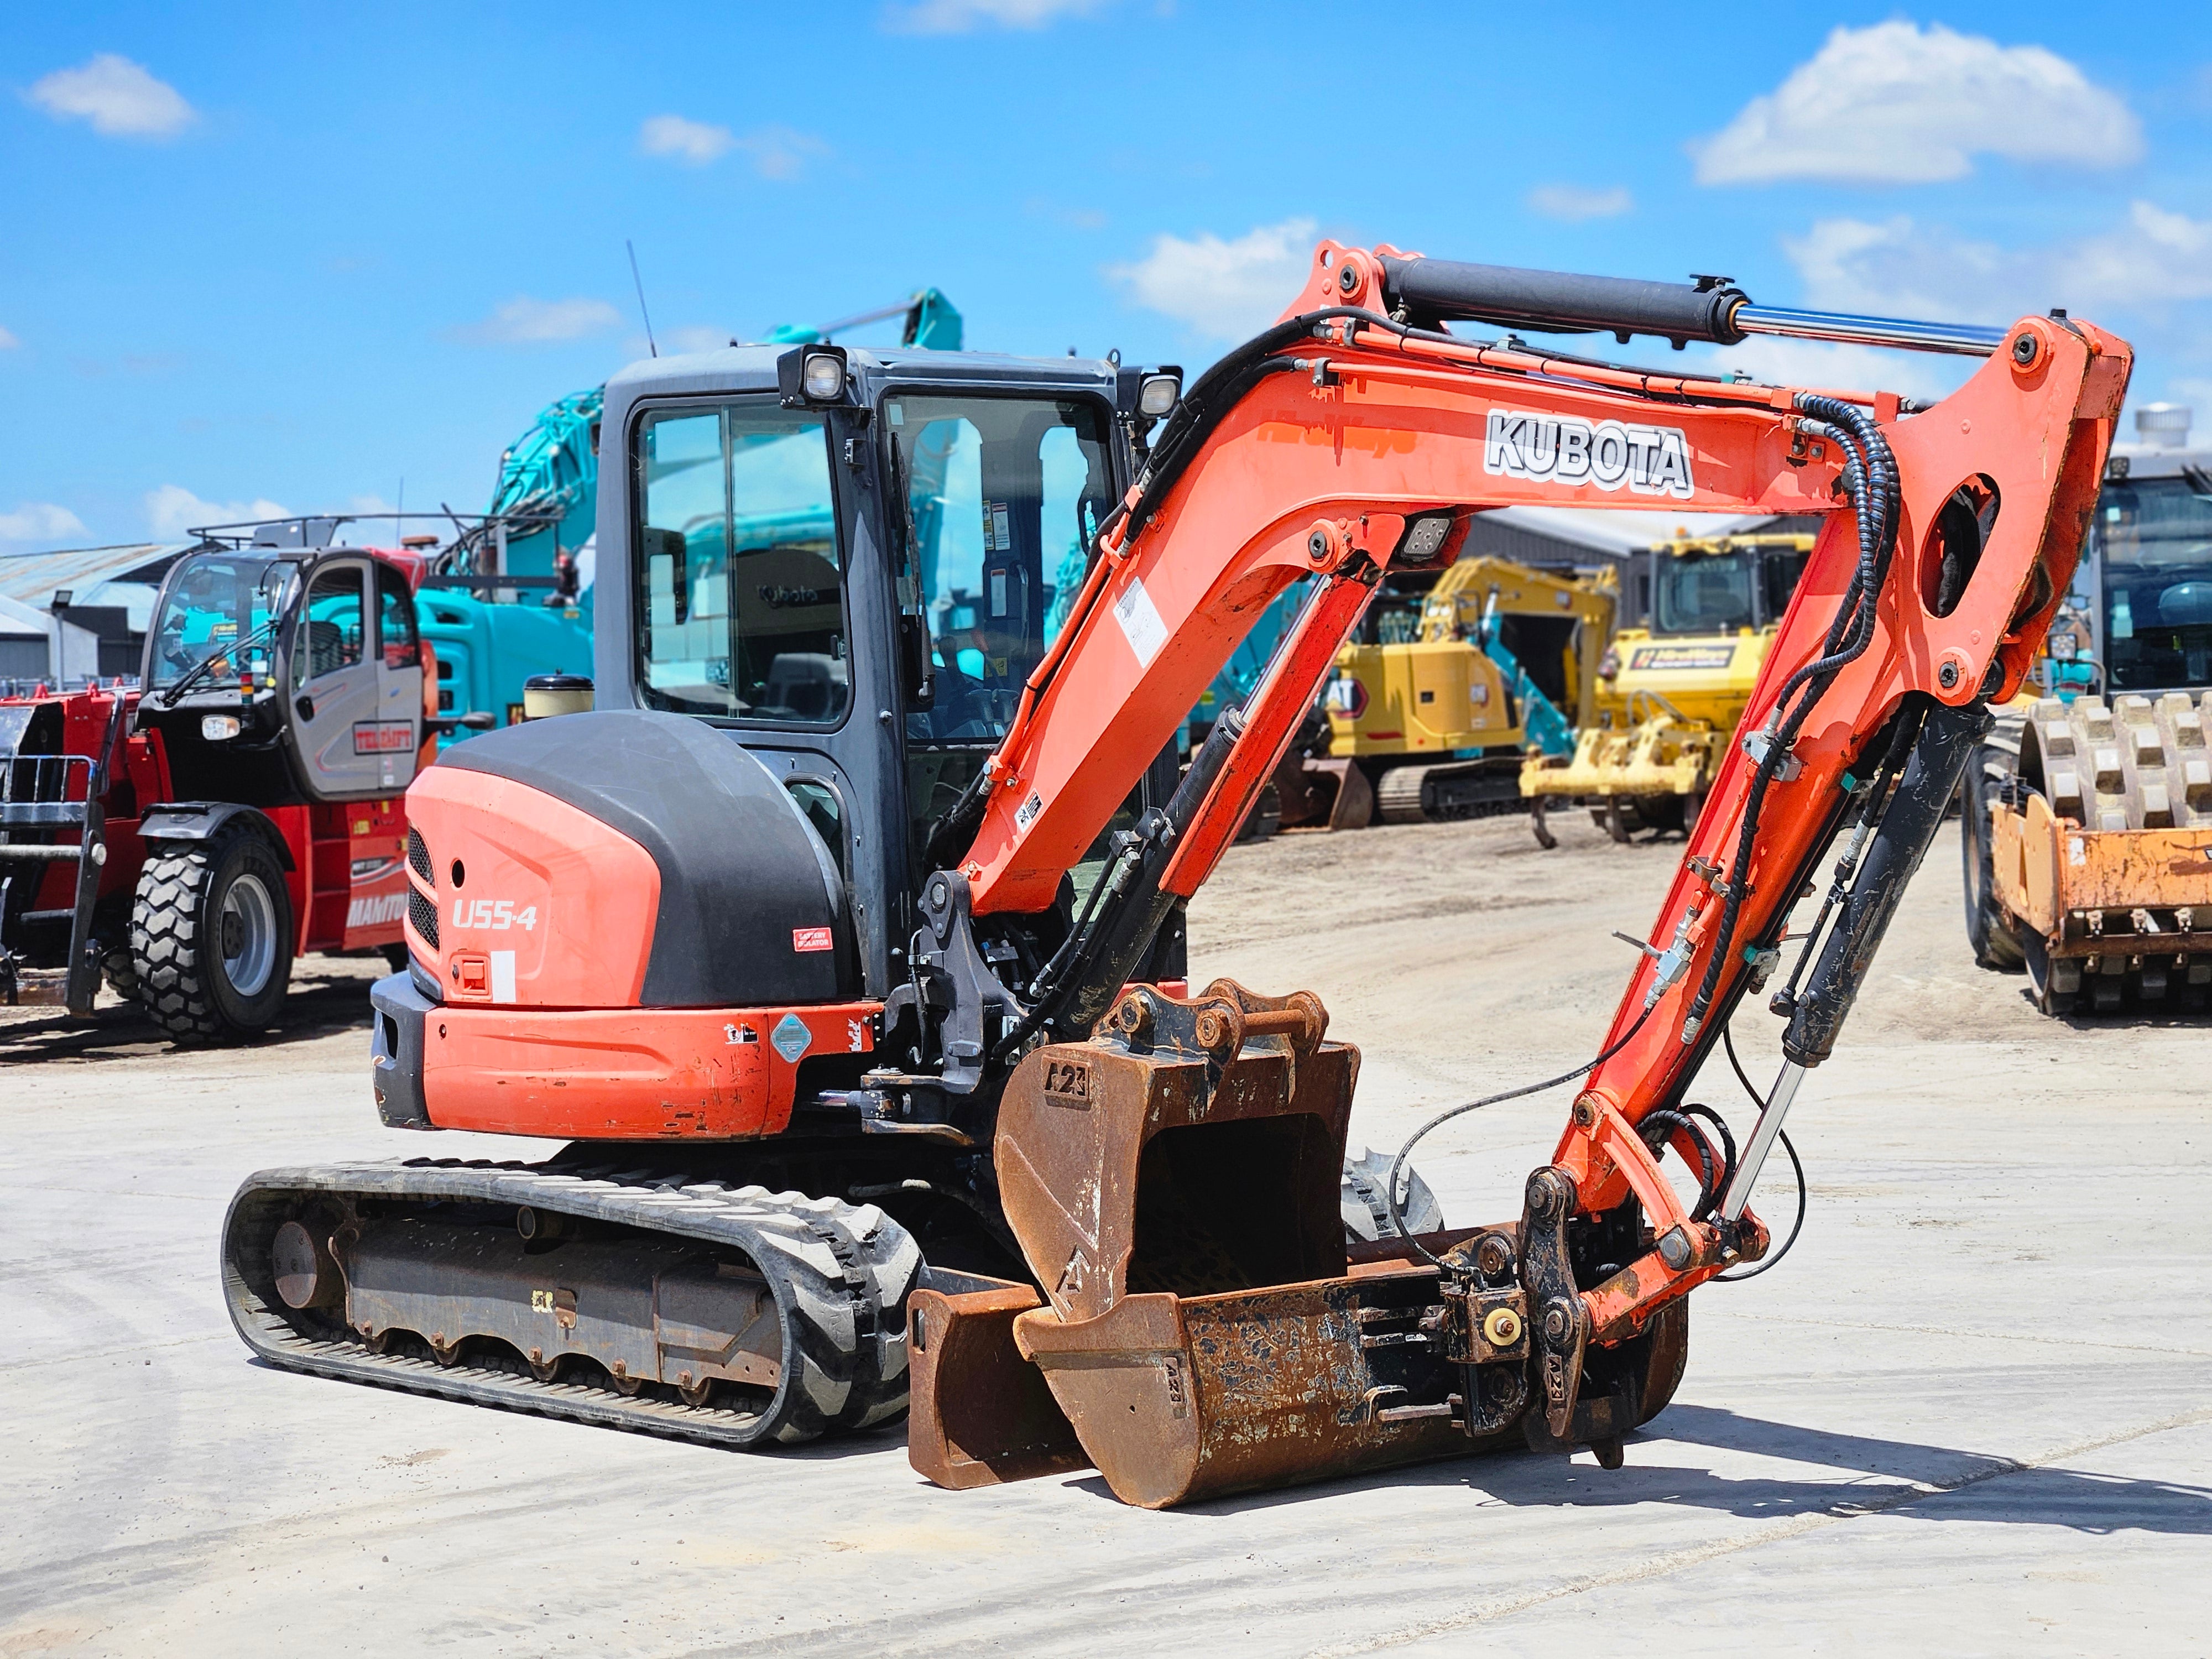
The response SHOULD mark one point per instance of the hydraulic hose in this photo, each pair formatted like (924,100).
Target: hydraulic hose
(1869,477)
(1391,1186)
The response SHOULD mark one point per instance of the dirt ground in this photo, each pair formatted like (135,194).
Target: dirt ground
(1969,1413)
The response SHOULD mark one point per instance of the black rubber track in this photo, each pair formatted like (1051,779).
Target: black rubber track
(840,1274)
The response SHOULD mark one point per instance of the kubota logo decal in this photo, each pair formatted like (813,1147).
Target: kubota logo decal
(1651,460)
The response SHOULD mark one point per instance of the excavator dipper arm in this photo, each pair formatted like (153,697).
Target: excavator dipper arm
(1346,439)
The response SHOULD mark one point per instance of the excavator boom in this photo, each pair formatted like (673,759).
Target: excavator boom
(1343,442)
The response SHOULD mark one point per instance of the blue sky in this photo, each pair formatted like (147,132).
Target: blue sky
(289,256)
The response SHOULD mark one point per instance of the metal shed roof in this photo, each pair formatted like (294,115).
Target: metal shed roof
(35,578)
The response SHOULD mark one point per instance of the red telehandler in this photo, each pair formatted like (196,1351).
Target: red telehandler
(189,835)
(845,946)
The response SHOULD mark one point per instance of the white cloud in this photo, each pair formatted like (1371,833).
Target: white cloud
(8,341)
(172,510)
(40,521)
(525,321)
(961,16)
(1899,267)
(1897,104)
(781,153)
(1575,202)
(2156,257)
(776,152)
(693,142)
(1222,290)
(2196,393)
(118,96)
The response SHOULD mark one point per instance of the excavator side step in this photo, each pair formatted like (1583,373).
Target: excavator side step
(309,1254)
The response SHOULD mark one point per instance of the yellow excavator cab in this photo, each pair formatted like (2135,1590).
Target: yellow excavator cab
(1671,690)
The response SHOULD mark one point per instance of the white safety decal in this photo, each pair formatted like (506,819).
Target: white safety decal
(1140,623)
(502,976)
(1026,813)
(1651,460)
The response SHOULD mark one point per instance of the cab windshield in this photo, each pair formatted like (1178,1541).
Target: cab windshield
(1002,495)
(215,604)
(1722,592)
(2157,542)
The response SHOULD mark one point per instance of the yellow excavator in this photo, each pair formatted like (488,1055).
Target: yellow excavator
(1447,683)
(1673,690)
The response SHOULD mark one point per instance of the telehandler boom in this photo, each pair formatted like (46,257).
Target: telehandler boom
(875,936)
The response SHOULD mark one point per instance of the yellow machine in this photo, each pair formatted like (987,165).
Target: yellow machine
(1673,690)
(1451,679)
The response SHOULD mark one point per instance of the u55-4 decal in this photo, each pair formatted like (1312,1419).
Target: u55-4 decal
(493,915)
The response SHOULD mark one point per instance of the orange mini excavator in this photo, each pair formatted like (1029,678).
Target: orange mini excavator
(843,942)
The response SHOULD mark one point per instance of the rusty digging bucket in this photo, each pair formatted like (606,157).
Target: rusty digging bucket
(1173,1183)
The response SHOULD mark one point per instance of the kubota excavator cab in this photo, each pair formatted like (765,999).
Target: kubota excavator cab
(823,579)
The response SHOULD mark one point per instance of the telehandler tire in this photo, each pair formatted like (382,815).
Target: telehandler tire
(121,969)
(211,937)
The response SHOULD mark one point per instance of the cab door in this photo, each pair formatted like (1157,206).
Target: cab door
(336,690)
(399,681)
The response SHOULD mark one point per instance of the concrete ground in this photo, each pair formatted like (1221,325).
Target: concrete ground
(1970,1413)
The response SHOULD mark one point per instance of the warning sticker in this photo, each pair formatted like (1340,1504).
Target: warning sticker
(791,1038)
(997,530)
(1140,623)
(810,938)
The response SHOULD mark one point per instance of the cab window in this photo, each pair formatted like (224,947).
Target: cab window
(395,608)
(1694,594)
(331,626)
(1003,497)
(741,598)
(1784,567)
